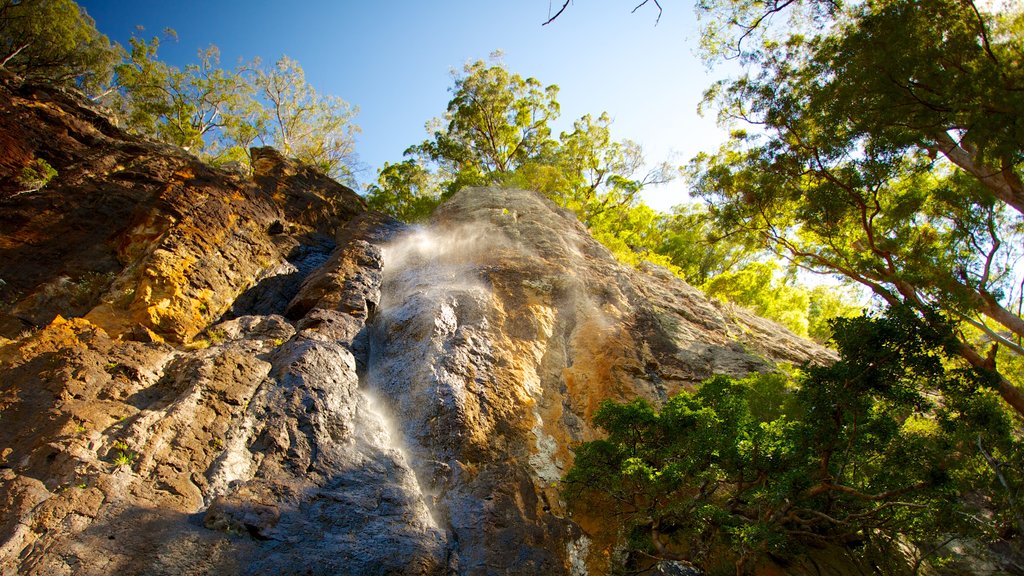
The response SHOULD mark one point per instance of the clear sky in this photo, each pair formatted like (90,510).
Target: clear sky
(393,60)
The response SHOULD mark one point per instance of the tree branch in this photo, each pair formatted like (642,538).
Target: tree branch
(557,14)
(640,5)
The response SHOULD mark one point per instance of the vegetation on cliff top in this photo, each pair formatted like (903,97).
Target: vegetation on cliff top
(497,131)
(208,110)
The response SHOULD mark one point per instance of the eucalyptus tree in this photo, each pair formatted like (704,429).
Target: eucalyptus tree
(858,454)
(885,142)
(314,128)
(496,121)
(55,41)
(497,129)
(187,107)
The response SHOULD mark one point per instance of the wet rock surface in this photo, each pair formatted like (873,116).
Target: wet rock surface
(261,377)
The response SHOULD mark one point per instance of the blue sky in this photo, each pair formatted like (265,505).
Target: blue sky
(393,60)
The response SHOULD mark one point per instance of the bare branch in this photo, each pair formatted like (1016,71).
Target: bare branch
(660,10)
(13,54)
(557,14)
(635,8)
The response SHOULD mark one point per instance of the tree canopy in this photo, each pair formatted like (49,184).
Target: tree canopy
(211,111)
(900,173)
(55,41)
(870,454)
(497,130)
(220,113)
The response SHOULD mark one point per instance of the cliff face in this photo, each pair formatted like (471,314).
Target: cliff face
(208,373)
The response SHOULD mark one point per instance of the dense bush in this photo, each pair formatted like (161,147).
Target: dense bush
(876,452)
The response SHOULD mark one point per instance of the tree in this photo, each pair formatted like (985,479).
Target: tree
(315,129)
(55,41)
(758,287)
(898,173)
(186,107)
(405,190)
(218,114)
(603,174)
(692,243)
(495,123)
(496,130)
(870,453)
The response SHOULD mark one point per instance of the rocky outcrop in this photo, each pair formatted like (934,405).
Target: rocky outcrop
(501,327)
(209,373)
(139,236)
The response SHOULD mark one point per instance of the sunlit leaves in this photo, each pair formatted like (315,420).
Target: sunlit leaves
(55,41)
(497,131)
(406,190)
(496,121)
(316,129)
(900,173)
(875,449)
(219,113)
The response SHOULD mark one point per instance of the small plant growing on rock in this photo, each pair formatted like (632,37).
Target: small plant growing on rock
(217,335)
(89,287)
(123,456)
(36,174)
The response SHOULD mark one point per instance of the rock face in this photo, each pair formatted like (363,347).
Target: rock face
(207,373)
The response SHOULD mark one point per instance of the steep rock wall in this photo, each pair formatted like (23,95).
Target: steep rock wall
(209,373)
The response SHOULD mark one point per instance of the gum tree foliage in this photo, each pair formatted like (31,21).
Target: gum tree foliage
(406,190)
(693,244)
(871,453)
(316,129)
(497,130)
(55,41)
(187,107)
(496,123)
(903,174)
(219,113)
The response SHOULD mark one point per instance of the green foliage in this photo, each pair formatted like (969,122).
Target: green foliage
(313,128)
(219,113)
(185,107)
(122,456)
(495,124)
(36,174)
(757,287)
(203,108)
(807,312)
(826,304)
(217,335)
(497,131)
(690,241)
(496,120)
(901,174)
(405,190)
(869,453)
(55,41)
